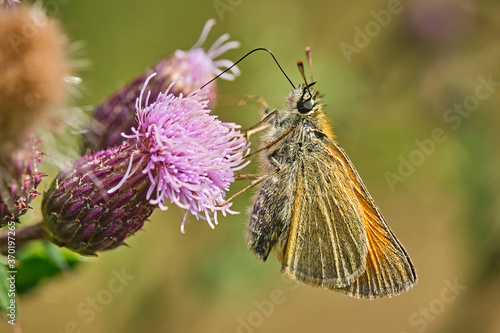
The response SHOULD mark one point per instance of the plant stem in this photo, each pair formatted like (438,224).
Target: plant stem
(21,236)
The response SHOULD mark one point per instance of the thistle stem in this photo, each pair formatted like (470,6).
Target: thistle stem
(21,236)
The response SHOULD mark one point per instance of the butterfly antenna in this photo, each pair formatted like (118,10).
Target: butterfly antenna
(246,55)
(300,65)
(309,61)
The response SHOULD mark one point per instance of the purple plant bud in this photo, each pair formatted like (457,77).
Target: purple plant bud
(80,214)
(196,66)
(19,178)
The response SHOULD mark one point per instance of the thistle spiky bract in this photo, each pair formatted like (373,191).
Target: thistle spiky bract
(19,179)
(80,214)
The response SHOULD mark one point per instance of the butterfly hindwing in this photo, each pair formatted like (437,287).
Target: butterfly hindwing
(270,214)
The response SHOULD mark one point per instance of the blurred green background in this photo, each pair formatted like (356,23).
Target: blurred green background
(387,88)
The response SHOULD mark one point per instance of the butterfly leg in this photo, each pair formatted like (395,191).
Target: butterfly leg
(249,99)
(272,143)
(259,100)
(274,162)
(260,179)
(252,184)
(261,125)
(227,100)
(230,100)
(246,177)
(251,131)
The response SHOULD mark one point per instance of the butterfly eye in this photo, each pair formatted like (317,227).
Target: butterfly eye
(305,106)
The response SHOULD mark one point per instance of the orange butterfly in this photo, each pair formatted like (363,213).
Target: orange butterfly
(315,211)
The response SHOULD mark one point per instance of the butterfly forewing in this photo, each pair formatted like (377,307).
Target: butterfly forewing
(389,270)
(327,242)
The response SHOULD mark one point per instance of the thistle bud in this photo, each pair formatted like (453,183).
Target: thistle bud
(19,179)
(80,214)
(196,66)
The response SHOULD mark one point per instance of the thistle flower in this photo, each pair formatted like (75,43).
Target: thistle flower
(439,21)
(19,178)
(8,3)
(33,68)
(189,155)
(117,114)
(177,152)
(197,67)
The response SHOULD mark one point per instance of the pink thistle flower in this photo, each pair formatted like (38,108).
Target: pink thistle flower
(9,3)
(197,66)
(188,155)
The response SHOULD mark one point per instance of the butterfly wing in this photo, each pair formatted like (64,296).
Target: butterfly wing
(271,213)
(389,270)
(327,243)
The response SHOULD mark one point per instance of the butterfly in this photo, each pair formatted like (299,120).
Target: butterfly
(313,209)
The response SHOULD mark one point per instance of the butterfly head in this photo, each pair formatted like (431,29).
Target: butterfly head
(304,100)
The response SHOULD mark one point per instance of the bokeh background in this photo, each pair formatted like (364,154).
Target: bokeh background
(385,92)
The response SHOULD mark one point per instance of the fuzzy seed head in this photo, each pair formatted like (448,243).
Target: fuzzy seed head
(33,66)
